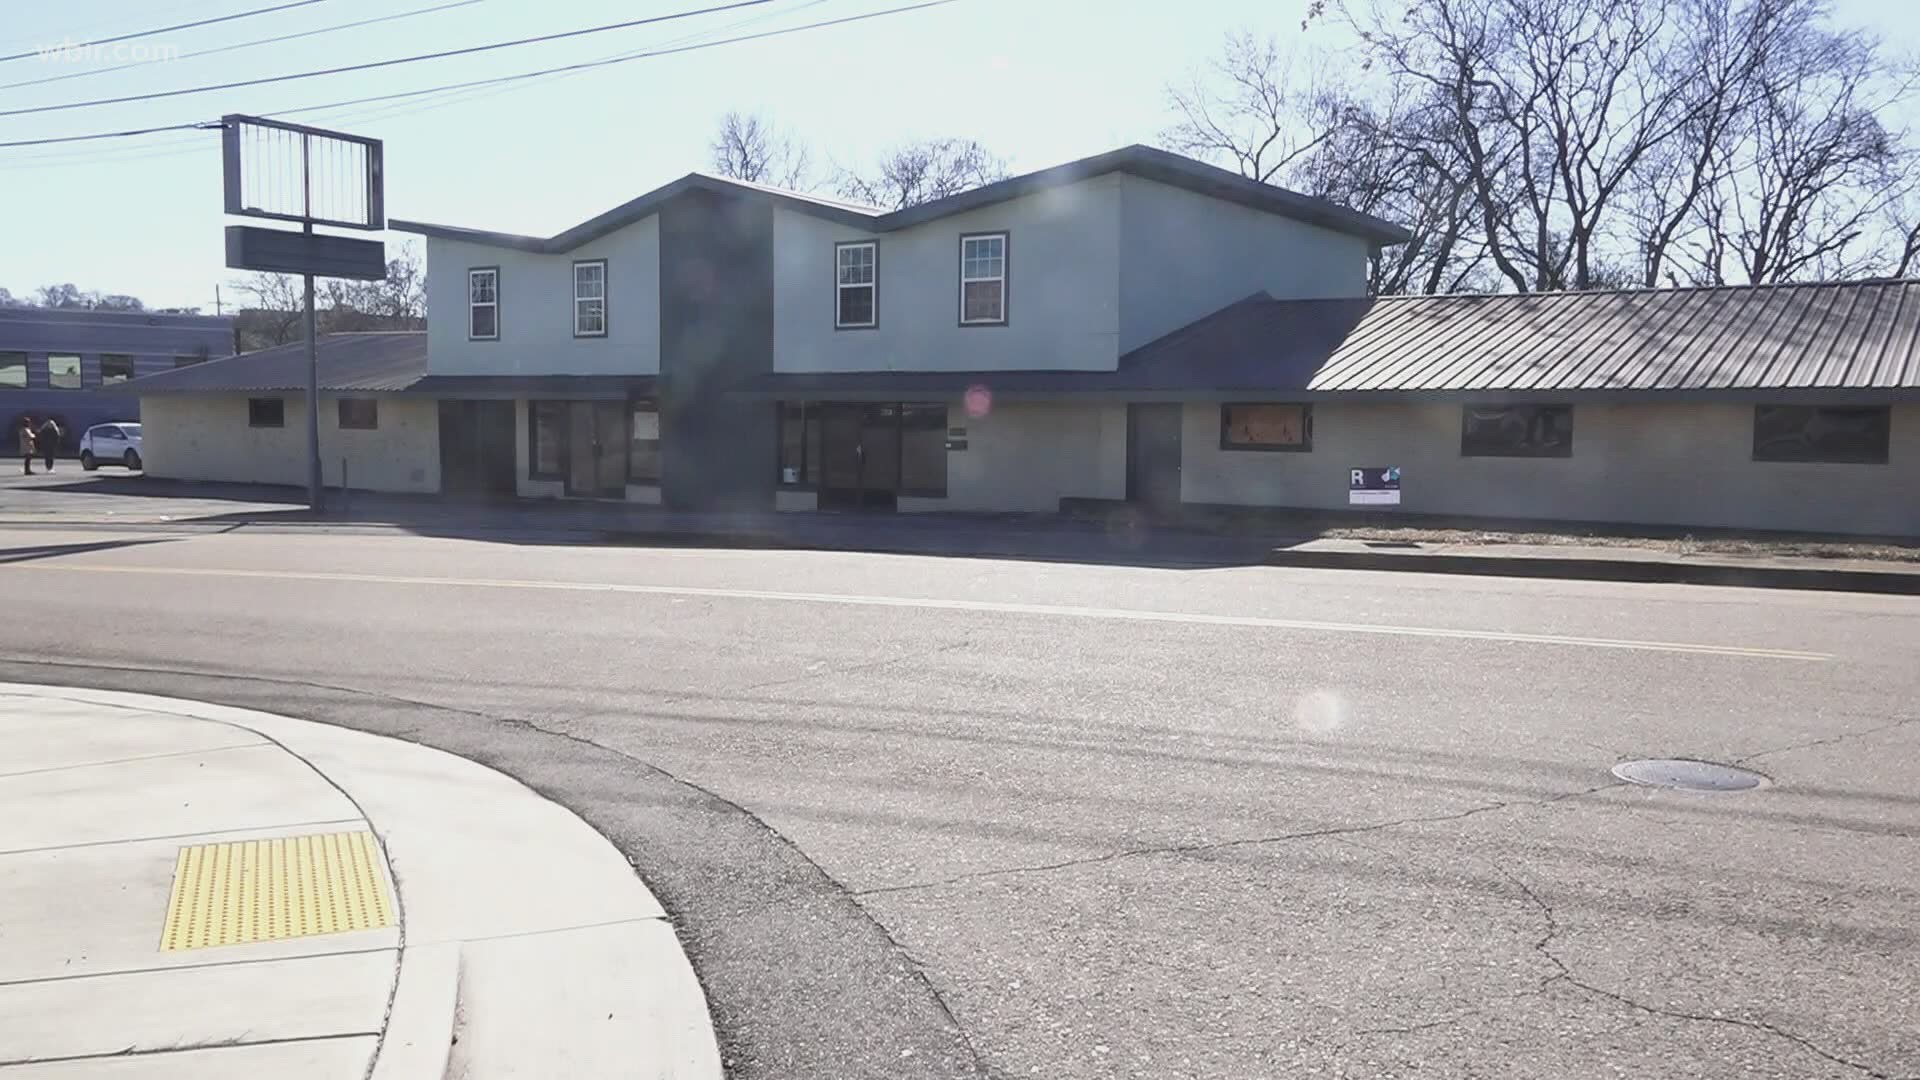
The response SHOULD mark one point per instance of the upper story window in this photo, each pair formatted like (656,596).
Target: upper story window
(63,371)
(483,304)
(590,298)
(1844,434)
(983,279)
(856,285)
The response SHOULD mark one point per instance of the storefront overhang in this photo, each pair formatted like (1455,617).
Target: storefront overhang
(508,387)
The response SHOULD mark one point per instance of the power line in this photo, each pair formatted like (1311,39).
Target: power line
(586,64)
(164,29)
(454,96)
(239,45)
(385,63)
(782,31)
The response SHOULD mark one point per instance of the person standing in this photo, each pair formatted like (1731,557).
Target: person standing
(26,443)
(48,439)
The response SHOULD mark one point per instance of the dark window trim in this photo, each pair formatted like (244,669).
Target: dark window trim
(79,372)
(1006,277)
(26,370)
(251,421)
(606,298)
(1551,454)
(875,324)
(533,444)
(1884,458)
(472,270)
(634,405)
(340,414)
(1306,428)
(133,367)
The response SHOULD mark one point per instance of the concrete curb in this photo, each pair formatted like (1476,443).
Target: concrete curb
(523,931)
(1586,568)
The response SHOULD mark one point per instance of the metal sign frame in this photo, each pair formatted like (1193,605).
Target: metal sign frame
(374,176)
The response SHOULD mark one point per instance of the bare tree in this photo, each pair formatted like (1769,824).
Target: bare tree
(1256,107)
(922,171)
(750,147)
(278,304)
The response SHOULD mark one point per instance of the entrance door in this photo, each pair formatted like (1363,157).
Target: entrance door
(477,448)
(1153,456)
(597,449)
(859,455)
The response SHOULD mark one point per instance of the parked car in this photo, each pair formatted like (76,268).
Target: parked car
(110,444)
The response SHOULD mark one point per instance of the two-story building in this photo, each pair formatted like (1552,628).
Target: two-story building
(1131,326)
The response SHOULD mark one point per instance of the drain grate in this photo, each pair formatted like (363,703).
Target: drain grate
(1688,775)
(262,890)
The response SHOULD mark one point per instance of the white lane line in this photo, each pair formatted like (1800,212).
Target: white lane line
(935,604)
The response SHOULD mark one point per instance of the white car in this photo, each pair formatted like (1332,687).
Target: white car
(110,444)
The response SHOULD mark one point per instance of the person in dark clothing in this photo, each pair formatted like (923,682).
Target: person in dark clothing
(26,443)
(48,440)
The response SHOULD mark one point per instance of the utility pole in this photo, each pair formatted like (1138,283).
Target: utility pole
(315,499)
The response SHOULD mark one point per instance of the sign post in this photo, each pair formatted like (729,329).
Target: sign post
(341,183)
(1374,487)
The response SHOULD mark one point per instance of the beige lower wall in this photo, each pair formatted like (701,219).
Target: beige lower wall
(207,438)
(1028,456)
(1678,464)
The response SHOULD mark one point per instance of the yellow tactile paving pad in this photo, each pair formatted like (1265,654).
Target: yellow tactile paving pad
(261,890)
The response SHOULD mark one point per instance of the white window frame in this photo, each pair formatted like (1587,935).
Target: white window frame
(872,284)
(474,305)
(578,299)
(999,279)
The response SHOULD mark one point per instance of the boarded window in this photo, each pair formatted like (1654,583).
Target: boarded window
(1266,427)
(266,412)
(359,414)
(1517,431)
(1857,435)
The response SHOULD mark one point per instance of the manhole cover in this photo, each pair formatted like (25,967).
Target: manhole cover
(1688,775)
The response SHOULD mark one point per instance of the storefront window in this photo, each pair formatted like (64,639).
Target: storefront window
(799,446)
(643,452)
(546,439)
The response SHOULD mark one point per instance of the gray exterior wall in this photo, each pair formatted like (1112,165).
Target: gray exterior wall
(536,308)
(1666,464)
(206,437)
(716,293)
(1184,256)
(1063,254)
(1028,456)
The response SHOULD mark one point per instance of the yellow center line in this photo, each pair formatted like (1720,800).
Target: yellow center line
(937,604)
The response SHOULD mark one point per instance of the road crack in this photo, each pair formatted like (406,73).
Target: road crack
(1564,974)
(1225,845)
(1828,741)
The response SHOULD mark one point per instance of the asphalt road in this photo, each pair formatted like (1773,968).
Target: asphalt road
(953,818)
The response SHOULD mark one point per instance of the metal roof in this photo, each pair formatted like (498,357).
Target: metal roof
(369,363)
(1858,340)
(1143,161)
(1830,336)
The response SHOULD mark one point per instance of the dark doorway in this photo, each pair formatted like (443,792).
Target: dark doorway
(476,448)
(1153,456)
(597,449)
(859,455)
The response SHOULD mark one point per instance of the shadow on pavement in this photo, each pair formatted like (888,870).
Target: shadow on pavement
(31,552)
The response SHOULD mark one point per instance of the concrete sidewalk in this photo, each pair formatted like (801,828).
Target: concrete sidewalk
(196,891)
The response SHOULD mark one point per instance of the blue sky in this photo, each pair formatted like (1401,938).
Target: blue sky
(1038,81)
